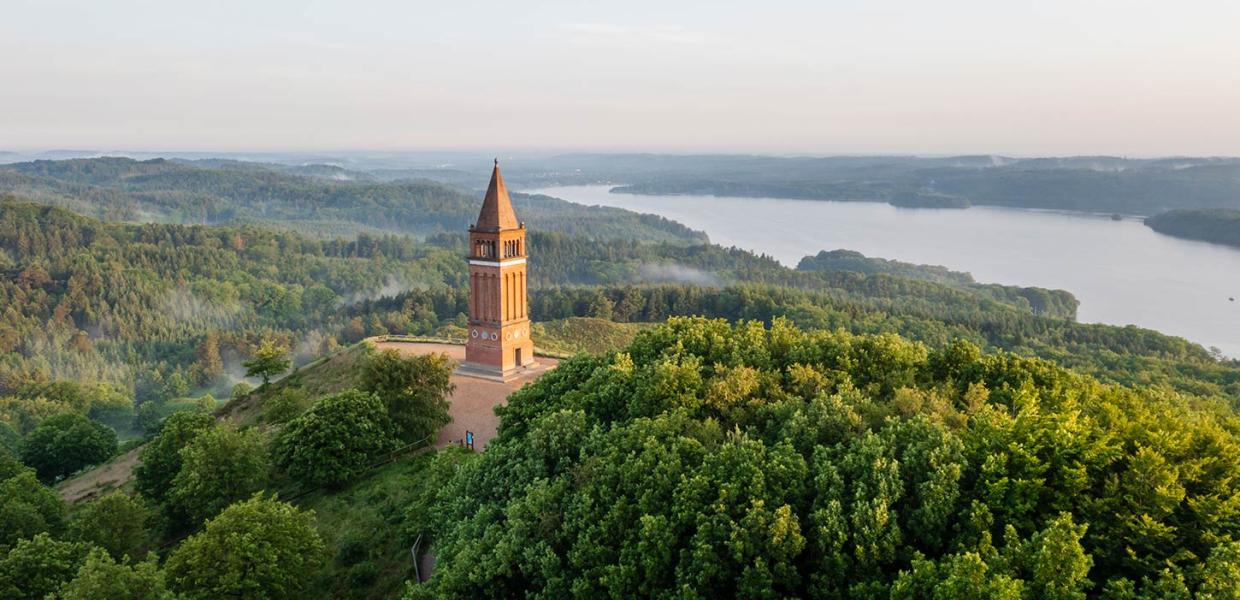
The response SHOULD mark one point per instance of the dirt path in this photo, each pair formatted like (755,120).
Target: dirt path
(96,482)
(472,405)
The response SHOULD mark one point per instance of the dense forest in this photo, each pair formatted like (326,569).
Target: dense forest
(170,308)
(851,428)
(214,192)
(1220,226)
(714,460)
(849,260)
(165,313)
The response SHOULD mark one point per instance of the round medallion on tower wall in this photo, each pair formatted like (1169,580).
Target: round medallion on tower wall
(473,333)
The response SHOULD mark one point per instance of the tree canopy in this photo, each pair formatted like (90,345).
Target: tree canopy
(160,460)
(38,567)
(257,548)
(65,443)
(269,360)
(221,466)
(413,388)
(718,460)
(27,508)
(336,440)
(115,522)
(103,577)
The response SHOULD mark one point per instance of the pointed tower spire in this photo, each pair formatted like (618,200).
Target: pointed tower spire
(497,213)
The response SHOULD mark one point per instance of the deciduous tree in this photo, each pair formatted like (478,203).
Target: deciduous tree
(257,548)
(115,522)
(103,577)
(28,508)
(38,567)
(336,440)
(414,389)
(160,460)
(221,466)
(270,360)
(66,443)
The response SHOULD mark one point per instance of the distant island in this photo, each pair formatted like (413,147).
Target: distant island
(1039,301)
(1220,226)
(929,199)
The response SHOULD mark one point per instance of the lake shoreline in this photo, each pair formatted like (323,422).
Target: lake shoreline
(1123,272)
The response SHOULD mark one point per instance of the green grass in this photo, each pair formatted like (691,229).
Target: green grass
(584,334)
(328,375)
(365,529)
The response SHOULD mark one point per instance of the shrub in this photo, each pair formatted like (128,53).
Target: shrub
(284,405)
(240,389)
(336,440)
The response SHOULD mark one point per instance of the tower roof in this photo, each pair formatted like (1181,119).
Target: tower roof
(497,213)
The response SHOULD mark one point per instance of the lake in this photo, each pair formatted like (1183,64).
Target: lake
(1122,271)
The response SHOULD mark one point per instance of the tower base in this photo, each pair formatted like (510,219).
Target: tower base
(492,373)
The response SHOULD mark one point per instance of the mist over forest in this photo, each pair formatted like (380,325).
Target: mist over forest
(184,354)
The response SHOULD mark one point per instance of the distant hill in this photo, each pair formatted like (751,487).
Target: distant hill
(318,199)
(849,260)
(1220,226)
(1039,301)
(1098,184)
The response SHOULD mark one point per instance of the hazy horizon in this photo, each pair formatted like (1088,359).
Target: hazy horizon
(1058,78)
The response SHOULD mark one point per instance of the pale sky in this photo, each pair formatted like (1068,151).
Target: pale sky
(1034,77)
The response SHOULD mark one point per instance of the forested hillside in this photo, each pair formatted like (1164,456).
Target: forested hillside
(214,192)
(168,312)
(1220,226)
(713,460)
(848,260)
(172,307)
(215,509)
(707,458)
(1090,184)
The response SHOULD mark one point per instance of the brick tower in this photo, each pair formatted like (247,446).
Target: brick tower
(499,343)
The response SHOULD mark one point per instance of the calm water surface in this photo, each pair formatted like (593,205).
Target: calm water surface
(1122,271)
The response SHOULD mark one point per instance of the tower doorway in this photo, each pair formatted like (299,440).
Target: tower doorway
(518,357)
